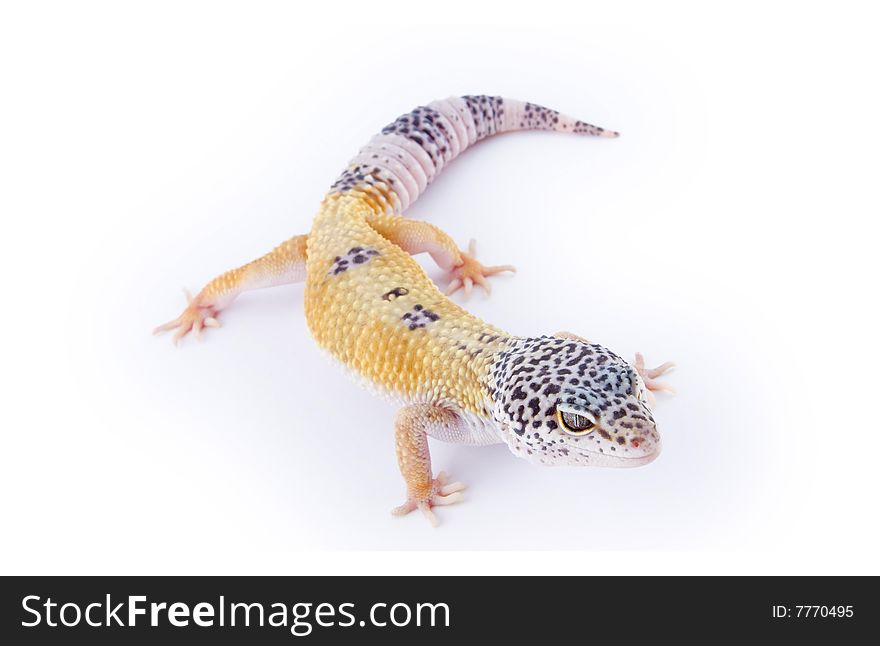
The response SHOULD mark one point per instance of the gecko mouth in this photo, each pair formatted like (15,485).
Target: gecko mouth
(643,459)
(610,459)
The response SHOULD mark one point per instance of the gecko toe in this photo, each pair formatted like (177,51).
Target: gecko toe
(472,272)
(440,495)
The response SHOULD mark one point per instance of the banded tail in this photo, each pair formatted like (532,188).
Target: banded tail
(397,165)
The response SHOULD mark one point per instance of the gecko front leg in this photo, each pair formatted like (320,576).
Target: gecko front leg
(414,459)
(649,377)
(285,264)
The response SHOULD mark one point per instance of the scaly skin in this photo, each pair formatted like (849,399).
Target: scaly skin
(553,399)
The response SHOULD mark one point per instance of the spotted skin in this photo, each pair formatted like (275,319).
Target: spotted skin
(533,376)
(419,317)
(411,151)
(352,259)
(373,309)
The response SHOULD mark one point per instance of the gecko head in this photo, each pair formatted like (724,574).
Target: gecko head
(567,401)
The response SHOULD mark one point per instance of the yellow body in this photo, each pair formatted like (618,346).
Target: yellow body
(357,315)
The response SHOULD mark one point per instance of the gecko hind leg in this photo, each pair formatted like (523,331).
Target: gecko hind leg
(416,236)
(471,271)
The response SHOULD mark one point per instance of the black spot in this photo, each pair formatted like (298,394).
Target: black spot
(397,292)
(535,405)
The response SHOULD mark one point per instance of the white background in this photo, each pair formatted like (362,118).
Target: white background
(732,228)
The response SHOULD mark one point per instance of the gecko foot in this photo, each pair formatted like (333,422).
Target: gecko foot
(649,376)
(441,494)
(471,271)
(195,317)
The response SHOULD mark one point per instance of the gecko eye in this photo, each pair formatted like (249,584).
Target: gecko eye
(576,422)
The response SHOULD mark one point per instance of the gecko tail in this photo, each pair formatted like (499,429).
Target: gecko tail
(520,115)
(399,163)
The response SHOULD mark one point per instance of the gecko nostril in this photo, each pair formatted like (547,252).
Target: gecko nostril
(636,443)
